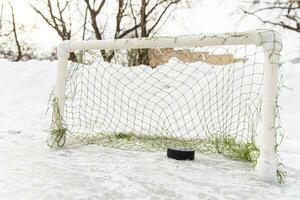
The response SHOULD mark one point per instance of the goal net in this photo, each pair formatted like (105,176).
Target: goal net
(208,92)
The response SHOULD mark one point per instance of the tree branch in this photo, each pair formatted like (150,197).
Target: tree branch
(282,24)
(161,15)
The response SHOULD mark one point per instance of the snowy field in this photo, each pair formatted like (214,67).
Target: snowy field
(30,170)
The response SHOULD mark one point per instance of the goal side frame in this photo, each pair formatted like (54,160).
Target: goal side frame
(266,167)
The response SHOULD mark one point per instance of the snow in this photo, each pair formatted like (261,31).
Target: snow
(31,170)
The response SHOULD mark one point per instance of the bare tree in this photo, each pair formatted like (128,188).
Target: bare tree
(122,31)
(13,40)
(94,11)
(14,29)
(149,16)
(288,13)
(95,8)
(58,18)
(122,12)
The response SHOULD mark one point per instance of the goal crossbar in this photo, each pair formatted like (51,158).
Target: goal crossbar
(258,38)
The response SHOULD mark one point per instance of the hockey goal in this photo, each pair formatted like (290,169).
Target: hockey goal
(214,93)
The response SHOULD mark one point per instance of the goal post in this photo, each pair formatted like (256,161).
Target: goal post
(268,40)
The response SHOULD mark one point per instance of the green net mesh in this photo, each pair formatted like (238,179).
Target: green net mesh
(205,98)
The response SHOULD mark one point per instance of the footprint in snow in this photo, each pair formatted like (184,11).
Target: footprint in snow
(14,132)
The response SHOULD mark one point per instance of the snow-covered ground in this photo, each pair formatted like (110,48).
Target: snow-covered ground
(31,170)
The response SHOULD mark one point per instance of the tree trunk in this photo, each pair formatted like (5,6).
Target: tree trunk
(19,56)
(143,57)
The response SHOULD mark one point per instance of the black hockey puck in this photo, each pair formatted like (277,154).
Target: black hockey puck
(181,153)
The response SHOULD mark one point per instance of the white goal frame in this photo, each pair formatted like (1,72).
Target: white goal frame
(270,41)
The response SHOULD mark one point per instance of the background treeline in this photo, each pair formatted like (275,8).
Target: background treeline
(114,19)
